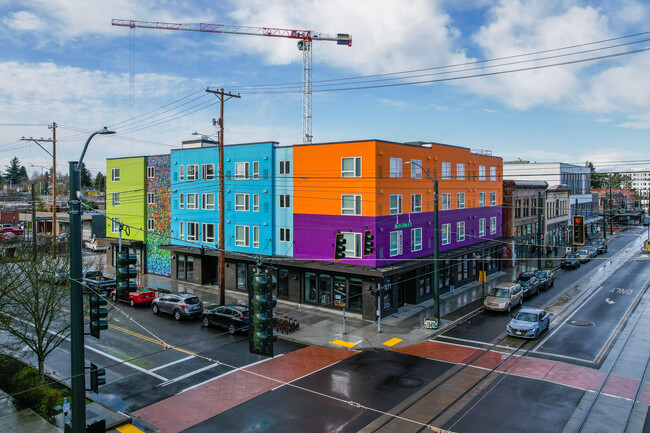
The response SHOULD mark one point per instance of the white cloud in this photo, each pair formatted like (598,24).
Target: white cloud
(24,20)
(609,159)
(641,121)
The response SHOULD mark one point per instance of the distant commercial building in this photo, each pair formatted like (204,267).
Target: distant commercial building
(557,235)
(641,184)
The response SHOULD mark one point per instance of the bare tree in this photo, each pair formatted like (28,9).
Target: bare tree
(33,299)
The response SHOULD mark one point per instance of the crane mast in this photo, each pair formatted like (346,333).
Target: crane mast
(305,39)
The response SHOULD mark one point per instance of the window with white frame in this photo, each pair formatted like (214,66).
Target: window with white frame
(207,171)
(446,234)
(115,226)
(192,202)
(115,174)
(493,173)
(493,225)
(192,172)
(446,170)
(151,198)
(285,167)
(116,198)
(151,172)
(416,169)
(241,171)
(256,237)
(493,198)
(192,231)
(208,233)
(242,234)
(208,201)
(460,231)
(481,199)
(151,224)
(395,204)
(396,243)
(353,245)
(350,204)
(445,201)
(181,172)
(241,202)
(256,202)
(181,201)
(285,201)
(416,239)
(481,172)
(396,167)
(256,170)
(181,230)
(416,203)
(481,227)
(460,200)
(351,167)
(285,234)
(460,171)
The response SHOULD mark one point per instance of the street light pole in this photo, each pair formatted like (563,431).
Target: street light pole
(77,361)
(436,247)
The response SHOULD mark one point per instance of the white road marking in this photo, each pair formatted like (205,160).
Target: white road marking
(308,374)
(191,373)
(171,363)
(123,362)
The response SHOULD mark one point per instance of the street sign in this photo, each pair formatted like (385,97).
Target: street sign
(403,225)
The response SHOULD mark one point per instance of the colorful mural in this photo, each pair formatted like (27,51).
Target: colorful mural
(158,182)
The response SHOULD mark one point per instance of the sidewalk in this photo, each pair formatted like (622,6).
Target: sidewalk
(322,327)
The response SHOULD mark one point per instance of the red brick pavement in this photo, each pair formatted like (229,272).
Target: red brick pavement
(184,410)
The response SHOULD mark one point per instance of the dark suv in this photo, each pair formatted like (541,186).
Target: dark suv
(529,283)
(571,260)
(181,305)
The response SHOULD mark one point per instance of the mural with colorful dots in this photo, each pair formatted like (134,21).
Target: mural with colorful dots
(158,214)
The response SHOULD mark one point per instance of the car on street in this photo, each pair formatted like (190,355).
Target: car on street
(503,297)
(61,276)
(7,236)
(584,255)
(601,245)
(181,305)
(571,260)
(546,278)
(232,317)
(141,295)
(529,283)
(593,251)
(95,280)
(11,230)
(528,323)
(63,237)
(96,245)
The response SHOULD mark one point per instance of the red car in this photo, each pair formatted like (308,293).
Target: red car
(142,295)
(11,230)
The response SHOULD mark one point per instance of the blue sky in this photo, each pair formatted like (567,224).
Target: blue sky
(62,61)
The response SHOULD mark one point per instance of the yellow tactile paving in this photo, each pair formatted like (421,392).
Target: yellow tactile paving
(392,342)
(343,343)
(128,428)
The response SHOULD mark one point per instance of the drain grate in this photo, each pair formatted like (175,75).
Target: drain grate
(581,323)
(409,382)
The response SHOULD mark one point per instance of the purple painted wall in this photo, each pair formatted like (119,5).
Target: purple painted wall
(314,234)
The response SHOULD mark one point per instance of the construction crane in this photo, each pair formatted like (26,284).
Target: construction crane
(305,38)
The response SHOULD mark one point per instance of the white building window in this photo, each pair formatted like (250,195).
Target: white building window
(181,172)
(181,230)
(115,226)
(446,234)
(481,172)
(351,204)
(460,231)
(151,198)
(351,167)
(396,243)
(285,234)
(446,170)
(460,200)
(241,171)
(242,234)
(208,201)
(460,171)
(208,233)
(115,174)
(493,173)
(151,172)
(416,169)
(285,201)
(192,231)
(207,171)
(493,198)
(445,201)
(395,204)
(256,202)
(396,167)
(353,245)
(241,202)
(481,227)
(416,203)
(192,202)
(151,224)
(481,199)
(256,237)
(416,239)
(192,173)
(285,167)
(493,225)
(256,170)
(181,201)
(116,198)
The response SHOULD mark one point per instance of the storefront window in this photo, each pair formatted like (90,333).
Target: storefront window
(311,287)
(189,268)
(325,289)
(354,294)
(241,276)
(180,266)
(283,283)
(340,291)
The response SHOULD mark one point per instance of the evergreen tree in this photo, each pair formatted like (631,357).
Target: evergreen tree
(100,182)
(13,173)
(86,177)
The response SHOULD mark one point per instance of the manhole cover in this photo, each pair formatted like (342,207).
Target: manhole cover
(409,382)
(581,323)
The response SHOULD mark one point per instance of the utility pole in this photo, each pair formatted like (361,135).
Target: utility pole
(54,226)
(35,246)
(223,96)
(540,230)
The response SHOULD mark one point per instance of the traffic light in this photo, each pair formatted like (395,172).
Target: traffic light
(98,314)
(578,230)
(339,247)
(368,243)
(96,377)
(125,274)
(261,325)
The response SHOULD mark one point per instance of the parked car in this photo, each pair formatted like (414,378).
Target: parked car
(529,283)
(61,276)
(96,245)
(601,245)
(63,237)
(141,295)
(571,260)
(7,236)
(11,230)
(232,317)
(181,305)
(593,251)
(528,323)
(546,278)
(584,255)
(503,297)
(97,281)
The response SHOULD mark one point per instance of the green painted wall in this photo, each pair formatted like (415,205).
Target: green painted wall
(131,187)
